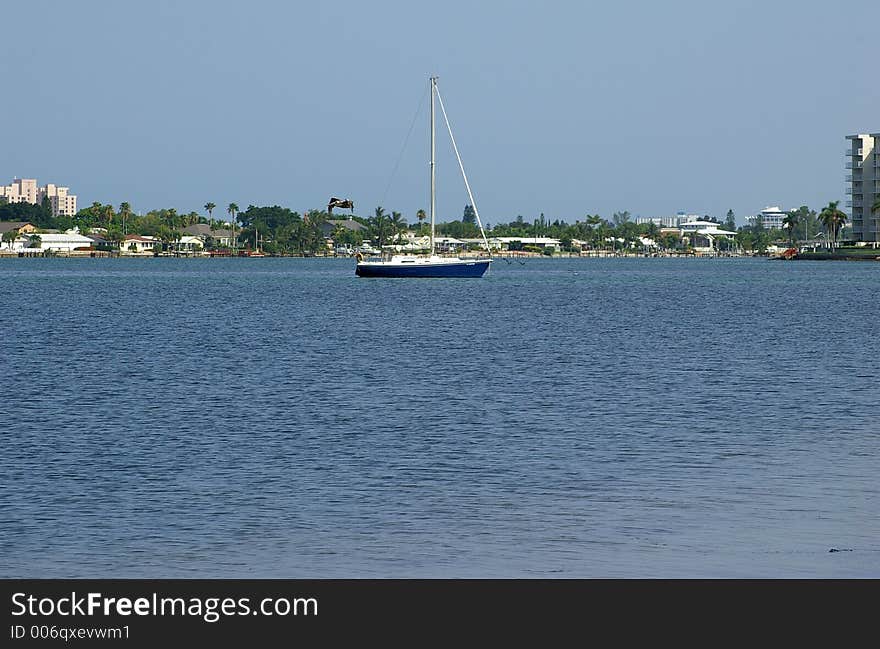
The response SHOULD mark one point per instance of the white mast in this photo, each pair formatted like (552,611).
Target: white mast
(433,86)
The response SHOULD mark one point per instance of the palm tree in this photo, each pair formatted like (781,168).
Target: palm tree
(398,225)
(124,212)
(115,237)
(233,210)
(593,222)
(421,216)
(791,221)
(166,236)
(10,237)
(378,227)
(833,219)
(209,207)
(171,218)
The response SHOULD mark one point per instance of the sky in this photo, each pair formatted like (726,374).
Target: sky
(560,108)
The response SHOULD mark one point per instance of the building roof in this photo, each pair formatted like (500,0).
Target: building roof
(7,226)
(547,241)
(697,225)
(205,230)
(64,238)
(715,231)
(348,224)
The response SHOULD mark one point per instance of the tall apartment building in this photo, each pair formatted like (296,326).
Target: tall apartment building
(22,190)
(60,198)
(863,185)
(25,190)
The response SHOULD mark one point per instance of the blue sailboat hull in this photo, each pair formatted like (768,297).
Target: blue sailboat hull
(475,268)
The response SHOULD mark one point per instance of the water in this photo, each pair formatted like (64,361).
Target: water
(570,418)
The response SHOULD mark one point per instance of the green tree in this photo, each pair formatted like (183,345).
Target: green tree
(591,229)
(398,225)
(90,216)
(421,216)
(107,215)
(730,221)
(209,208)
(9,237)
(25,212)
(619,218)
(124,214)
(670,240)
(791,221)
(309,234)
(379,227)
(46,208)
(809,220)
(629,231)
(115,236)
(344,237)
(171,218)
(232,210)
(469,215)
(832,219)
(459,230)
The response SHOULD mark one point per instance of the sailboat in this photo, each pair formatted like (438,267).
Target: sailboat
(431,265)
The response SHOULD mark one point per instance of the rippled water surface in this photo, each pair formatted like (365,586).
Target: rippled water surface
(570,418)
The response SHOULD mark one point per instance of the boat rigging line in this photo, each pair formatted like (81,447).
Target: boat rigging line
(463,174)
(403,148)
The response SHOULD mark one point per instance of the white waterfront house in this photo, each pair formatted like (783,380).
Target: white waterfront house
(442,244)
(52,242)
(706,229)
(517,243)
(135,244)
(190,244)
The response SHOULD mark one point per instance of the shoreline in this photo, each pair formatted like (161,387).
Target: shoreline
(532,257)
(873,255)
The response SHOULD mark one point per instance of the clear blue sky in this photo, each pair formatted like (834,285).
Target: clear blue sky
(565,108)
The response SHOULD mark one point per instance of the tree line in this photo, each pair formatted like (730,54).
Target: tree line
(278,230)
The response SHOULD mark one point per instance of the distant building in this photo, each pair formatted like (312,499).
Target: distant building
(771,218)
(62,202)
(21,190)
(669,221)
(25,190)
(863,185)
(329,226)
(656,220)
